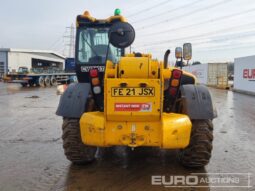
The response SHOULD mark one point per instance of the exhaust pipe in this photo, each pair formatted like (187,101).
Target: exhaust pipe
(166,58)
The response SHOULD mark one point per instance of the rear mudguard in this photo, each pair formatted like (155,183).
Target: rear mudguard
(73,102)
(197,102)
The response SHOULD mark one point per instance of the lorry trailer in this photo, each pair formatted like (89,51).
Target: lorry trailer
(43,77)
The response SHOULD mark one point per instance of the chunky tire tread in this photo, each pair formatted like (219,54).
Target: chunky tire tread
(198,152)
(75,150)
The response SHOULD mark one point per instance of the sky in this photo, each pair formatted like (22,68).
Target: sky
(219,30)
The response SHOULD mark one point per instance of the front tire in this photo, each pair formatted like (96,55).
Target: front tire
(75,150)
(198,152)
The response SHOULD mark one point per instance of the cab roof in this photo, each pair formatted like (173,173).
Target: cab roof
(87,20)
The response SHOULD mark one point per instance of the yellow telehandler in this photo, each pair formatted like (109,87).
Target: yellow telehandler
(131,99)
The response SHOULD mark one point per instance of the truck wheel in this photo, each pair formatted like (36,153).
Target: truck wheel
(198,152)
(31,84)
(41,81)
(47,81)
(75,150)
(53,81)
(24,84)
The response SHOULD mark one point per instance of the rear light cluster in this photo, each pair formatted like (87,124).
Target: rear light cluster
(175,82)
(93,73)
(95,82)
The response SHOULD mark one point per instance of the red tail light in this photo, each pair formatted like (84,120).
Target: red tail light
(93,73)
(177,74)
(173,91)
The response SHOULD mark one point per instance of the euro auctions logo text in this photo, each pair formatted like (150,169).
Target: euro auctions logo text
(172,181)
(220,180)
(249,74)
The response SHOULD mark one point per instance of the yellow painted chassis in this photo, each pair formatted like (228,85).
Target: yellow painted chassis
(172,131)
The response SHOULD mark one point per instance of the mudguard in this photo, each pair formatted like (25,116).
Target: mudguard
(73,102)
(197,102)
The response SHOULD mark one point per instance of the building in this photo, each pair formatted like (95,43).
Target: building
(244,75)
(11,59)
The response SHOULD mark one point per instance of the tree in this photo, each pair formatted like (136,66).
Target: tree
(231,68)
(196,63)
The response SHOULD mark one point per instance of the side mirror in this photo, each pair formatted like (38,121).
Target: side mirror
(121,34)
(187,51)
(178,52)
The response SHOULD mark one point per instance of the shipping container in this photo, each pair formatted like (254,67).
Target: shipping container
(218,75)
(70,65)
(211,74)
(244,74)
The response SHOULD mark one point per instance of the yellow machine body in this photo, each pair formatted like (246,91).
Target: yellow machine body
(133,108)
(171,131)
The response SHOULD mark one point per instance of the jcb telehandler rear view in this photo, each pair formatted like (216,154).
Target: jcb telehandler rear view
(131,99)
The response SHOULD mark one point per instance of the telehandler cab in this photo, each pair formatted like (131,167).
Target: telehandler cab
(131,99)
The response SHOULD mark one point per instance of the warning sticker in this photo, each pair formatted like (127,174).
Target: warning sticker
(139,107)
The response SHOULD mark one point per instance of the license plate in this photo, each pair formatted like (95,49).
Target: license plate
(135,92)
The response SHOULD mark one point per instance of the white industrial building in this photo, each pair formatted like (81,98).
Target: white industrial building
(244,74)
(11,59)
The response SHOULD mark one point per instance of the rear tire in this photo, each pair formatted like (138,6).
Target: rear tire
(198,152)
(75,150)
